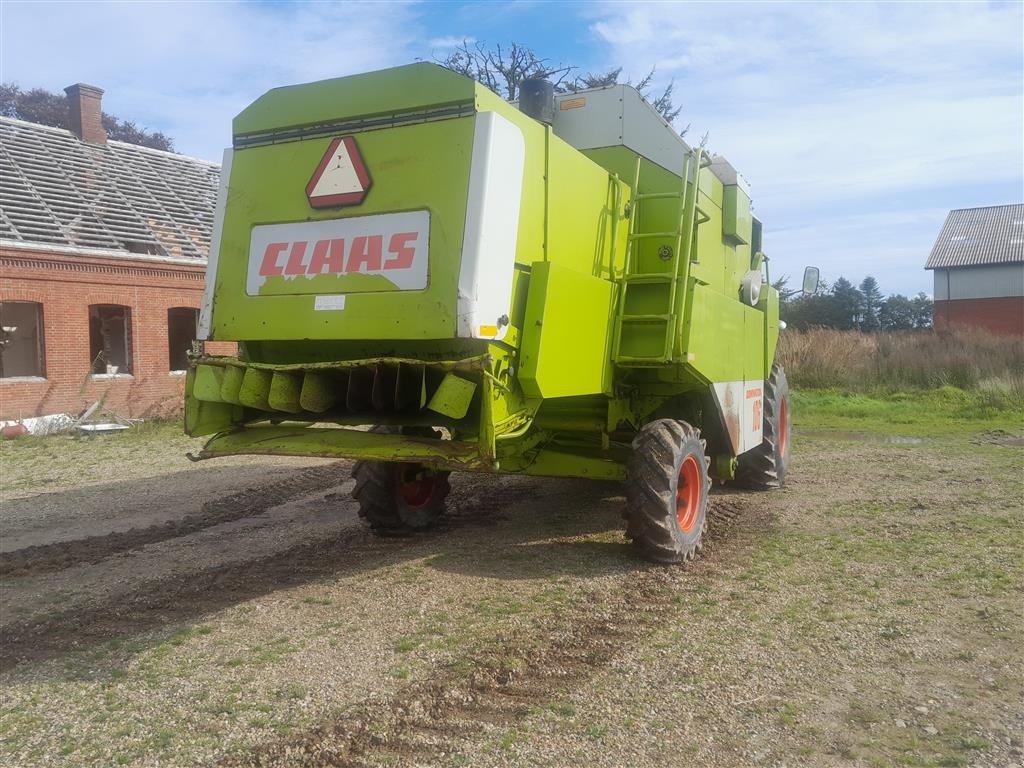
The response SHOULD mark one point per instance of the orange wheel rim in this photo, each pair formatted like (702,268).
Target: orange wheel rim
(415,486)
(688,493)
(784,426)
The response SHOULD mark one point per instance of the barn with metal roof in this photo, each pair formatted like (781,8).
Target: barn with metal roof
(103,249)
(978,266)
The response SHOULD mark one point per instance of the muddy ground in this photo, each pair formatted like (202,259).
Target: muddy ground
(161,613)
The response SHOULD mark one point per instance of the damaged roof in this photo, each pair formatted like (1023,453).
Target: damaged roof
(57,190)
(973,237)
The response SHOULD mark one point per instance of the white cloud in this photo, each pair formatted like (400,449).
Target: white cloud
(452,41)
(188,68)
(836,110)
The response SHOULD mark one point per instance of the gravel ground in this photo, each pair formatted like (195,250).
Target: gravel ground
(234,613)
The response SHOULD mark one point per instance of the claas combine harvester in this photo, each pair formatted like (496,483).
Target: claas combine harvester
(423,277)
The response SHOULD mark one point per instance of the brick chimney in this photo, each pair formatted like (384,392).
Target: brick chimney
(86,113)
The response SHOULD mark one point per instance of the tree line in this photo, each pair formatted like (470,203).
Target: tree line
(44,107)
(844,306)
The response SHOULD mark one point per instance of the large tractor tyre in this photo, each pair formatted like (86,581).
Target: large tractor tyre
(399,498)
(765,467)
(667,491)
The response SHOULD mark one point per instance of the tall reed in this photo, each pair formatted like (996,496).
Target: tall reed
(860,362)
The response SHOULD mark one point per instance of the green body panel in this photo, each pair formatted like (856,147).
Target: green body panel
(737,221)
(584,213)
(555,393)
(267,186)
(374,94)
(515,456)
(453,396)
(564,351)
(714,331)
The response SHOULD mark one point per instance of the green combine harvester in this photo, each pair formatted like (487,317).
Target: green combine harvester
(424,278)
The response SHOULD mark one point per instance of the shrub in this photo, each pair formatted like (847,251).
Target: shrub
(889,362)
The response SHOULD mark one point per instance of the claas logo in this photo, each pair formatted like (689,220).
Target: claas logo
(336,256)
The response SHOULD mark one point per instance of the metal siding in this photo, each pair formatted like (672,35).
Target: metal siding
(598,123)
(976,236)
(941,292)
(1002,315)
(615,116)
(986,282)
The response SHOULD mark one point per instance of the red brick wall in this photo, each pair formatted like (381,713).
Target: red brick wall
(66,285)
(999,315)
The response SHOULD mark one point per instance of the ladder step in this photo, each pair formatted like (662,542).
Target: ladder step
(646,235)
(657,195)
(649,277)
(646,318)
(634,360)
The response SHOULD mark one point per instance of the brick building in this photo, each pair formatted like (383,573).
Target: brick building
(103,250)
(978,263)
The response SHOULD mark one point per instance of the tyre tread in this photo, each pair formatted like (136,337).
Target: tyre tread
(658,451)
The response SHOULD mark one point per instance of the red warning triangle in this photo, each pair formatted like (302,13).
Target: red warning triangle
(341,177)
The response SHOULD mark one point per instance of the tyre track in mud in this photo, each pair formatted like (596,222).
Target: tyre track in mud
(429,722)
(165,602)
(175,600)
(46,558)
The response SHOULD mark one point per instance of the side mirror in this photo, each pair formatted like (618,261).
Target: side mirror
(811,276)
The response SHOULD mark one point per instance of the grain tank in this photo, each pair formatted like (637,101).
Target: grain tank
(423,278)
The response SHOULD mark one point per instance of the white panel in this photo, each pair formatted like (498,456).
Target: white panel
(753,415)
(594,119)
(492,226)
(742,406)
(941,292)
(619,116)
(206,309)
(727,173)
(985,282)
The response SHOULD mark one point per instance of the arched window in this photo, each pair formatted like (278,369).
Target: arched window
(110,339)
(182,323)
(21,340)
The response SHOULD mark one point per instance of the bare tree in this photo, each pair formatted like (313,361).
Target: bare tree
(503,69)
(598,79)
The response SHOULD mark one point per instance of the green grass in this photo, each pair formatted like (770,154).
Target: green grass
(940,412)
(36,464)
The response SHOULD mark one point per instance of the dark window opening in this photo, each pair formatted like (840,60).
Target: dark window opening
(143,247)
(182,325)
(110,338)
(21,340)
(755,237)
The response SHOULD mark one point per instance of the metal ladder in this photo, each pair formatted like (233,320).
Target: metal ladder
(678,268)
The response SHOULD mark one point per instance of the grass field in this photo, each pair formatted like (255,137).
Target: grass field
(869,614)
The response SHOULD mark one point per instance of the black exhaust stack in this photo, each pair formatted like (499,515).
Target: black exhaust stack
(537,99)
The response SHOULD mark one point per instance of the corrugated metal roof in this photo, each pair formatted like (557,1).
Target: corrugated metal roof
(975,236)
(58,190)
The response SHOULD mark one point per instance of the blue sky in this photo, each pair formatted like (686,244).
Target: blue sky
(858,125)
